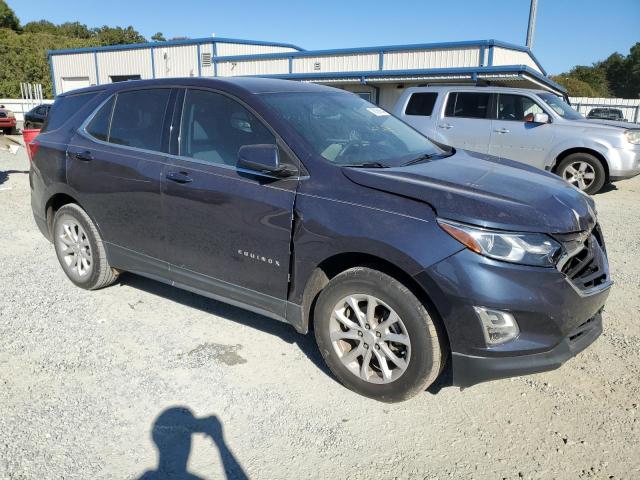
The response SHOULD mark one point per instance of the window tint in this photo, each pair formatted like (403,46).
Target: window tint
(468,105)
(214,127)
(138,117)
(66,107)
(99,125)
(516,107)
(421,104)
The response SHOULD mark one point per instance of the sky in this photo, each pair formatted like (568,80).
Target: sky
(568,32)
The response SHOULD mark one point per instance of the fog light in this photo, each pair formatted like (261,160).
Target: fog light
(498,327)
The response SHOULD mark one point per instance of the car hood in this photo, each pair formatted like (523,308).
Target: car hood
(609,123)
(487,191)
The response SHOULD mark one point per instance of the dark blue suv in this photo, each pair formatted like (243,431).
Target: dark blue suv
(314,207)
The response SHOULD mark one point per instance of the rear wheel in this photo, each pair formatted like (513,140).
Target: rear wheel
(80,249)
(583,171)
(28,126)
(375,335)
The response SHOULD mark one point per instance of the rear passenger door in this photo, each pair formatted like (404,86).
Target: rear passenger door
(515,139)
(115,164)
(419,113)
(466,122)
(228,228)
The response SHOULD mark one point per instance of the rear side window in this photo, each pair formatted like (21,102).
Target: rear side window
(468,105)
(214,127)
(516,107)
(421,104)
(64,108)
(138,118)
(99,125)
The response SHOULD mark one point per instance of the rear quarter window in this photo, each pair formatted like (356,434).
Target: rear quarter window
(66,107)
(421,104)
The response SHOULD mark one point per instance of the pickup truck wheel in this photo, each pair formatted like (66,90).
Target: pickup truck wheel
(377,338)
(583,171)
(80,249)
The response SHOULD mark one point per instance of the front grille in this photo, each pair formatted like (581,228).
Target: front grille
(581,329)
(585,264)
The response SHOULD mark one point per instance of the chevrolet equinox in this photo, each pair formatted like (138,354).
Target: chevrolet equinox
(311,206)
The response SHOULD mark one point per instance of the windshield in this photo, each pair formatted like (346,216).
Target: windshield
(347,130)
(559,106)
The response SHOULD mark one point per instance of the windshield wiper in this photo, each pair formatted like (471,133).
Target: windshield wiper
(421,158)
(366,165)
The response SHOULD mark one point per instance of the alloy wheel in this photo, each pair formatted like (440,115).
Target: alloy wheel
(75,249)
(579,174)
(370,339)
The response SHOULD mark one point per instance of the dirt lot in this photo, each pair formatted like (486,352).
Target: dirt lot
(85,376)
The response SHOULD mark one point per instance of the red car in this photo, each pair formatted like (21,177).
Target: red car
(7,120)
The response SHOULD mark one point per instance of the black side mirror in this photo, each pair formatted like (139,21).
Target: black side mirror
(263,159)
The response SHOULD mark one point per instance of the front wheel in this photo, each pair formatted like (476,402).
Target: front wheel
(583,171)
(376,337)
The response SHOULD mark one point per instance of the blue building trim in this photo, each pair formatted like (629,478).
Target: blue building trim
(194,41)
(95,61)
(153,63)
(53,78)
(481,61)
(214,55)
(199,61)
(381,60)
(490,59)
(290,64)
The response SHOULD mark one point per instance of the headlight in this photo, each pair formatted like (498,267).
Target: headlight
(534,249)
(633,136)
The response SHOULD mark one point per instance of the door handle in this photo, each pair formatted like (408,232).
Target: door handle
(502,130)
(179,177)
(446,126)
(83,156)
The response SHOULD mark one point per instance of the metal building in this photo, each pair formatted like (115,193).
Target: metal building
(376,73)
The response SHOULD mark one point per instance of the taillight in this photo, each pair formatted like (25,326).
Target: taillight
(32,149)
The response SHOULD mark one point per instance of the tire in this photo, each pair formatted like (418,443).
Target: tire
(80,250)
(583,171)
(345,348)
(28,126)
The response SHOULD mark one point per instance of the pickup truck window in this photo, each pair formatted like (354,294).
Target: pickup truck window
(346,130)
(214,127)
(468,105)
(516,107)
(421,104)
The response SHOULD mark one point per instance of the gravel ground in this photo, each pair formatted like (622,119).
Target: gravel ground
(108,384)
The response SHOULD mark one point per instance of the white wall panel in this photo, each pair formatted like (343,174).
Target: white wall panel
(232,49)
(504,56)
(439,58)
(253,67)
(124,62)
(75,65)
(336,63)
(177,61)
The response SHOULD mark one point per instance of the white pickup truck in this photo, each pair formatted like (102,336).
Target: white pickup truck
(531,126)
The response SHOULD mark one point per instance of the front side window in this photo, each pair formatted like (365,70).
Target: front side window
(214,127)
(421,104)
(559,106)
(347,130)
(468,105)
(138,118)
(516,107)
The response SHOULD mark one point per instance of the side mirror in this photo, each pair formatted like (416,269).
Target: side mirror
(263,159)
(537,118)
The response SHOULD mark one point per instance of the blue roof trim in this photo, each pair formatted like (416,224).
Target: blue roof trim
(171,43)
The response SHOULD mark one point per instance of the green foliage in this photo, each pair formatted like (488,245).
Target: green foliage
(158,37)
(617,76)
(8,18)
(23,52)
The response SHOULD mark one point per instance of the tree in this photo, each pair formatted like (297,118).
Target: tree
(117,35)
(8,18)
(574,86)
(158,37)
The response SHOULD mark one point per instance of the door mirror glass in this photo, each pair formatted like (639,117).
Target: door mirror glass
(263,159)
(537,118)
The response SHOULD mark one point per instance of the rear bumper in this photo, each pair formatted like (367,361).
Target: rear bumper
(8,123)
(469,370)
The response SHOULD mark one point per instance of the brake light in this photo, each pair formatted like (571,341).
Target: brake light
(32,149)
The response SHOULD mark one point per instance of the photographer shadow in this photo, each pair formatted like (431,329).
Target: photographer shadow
(172,433)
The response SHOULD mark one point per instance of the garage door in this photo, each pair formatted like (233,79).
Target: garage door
(73,83)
